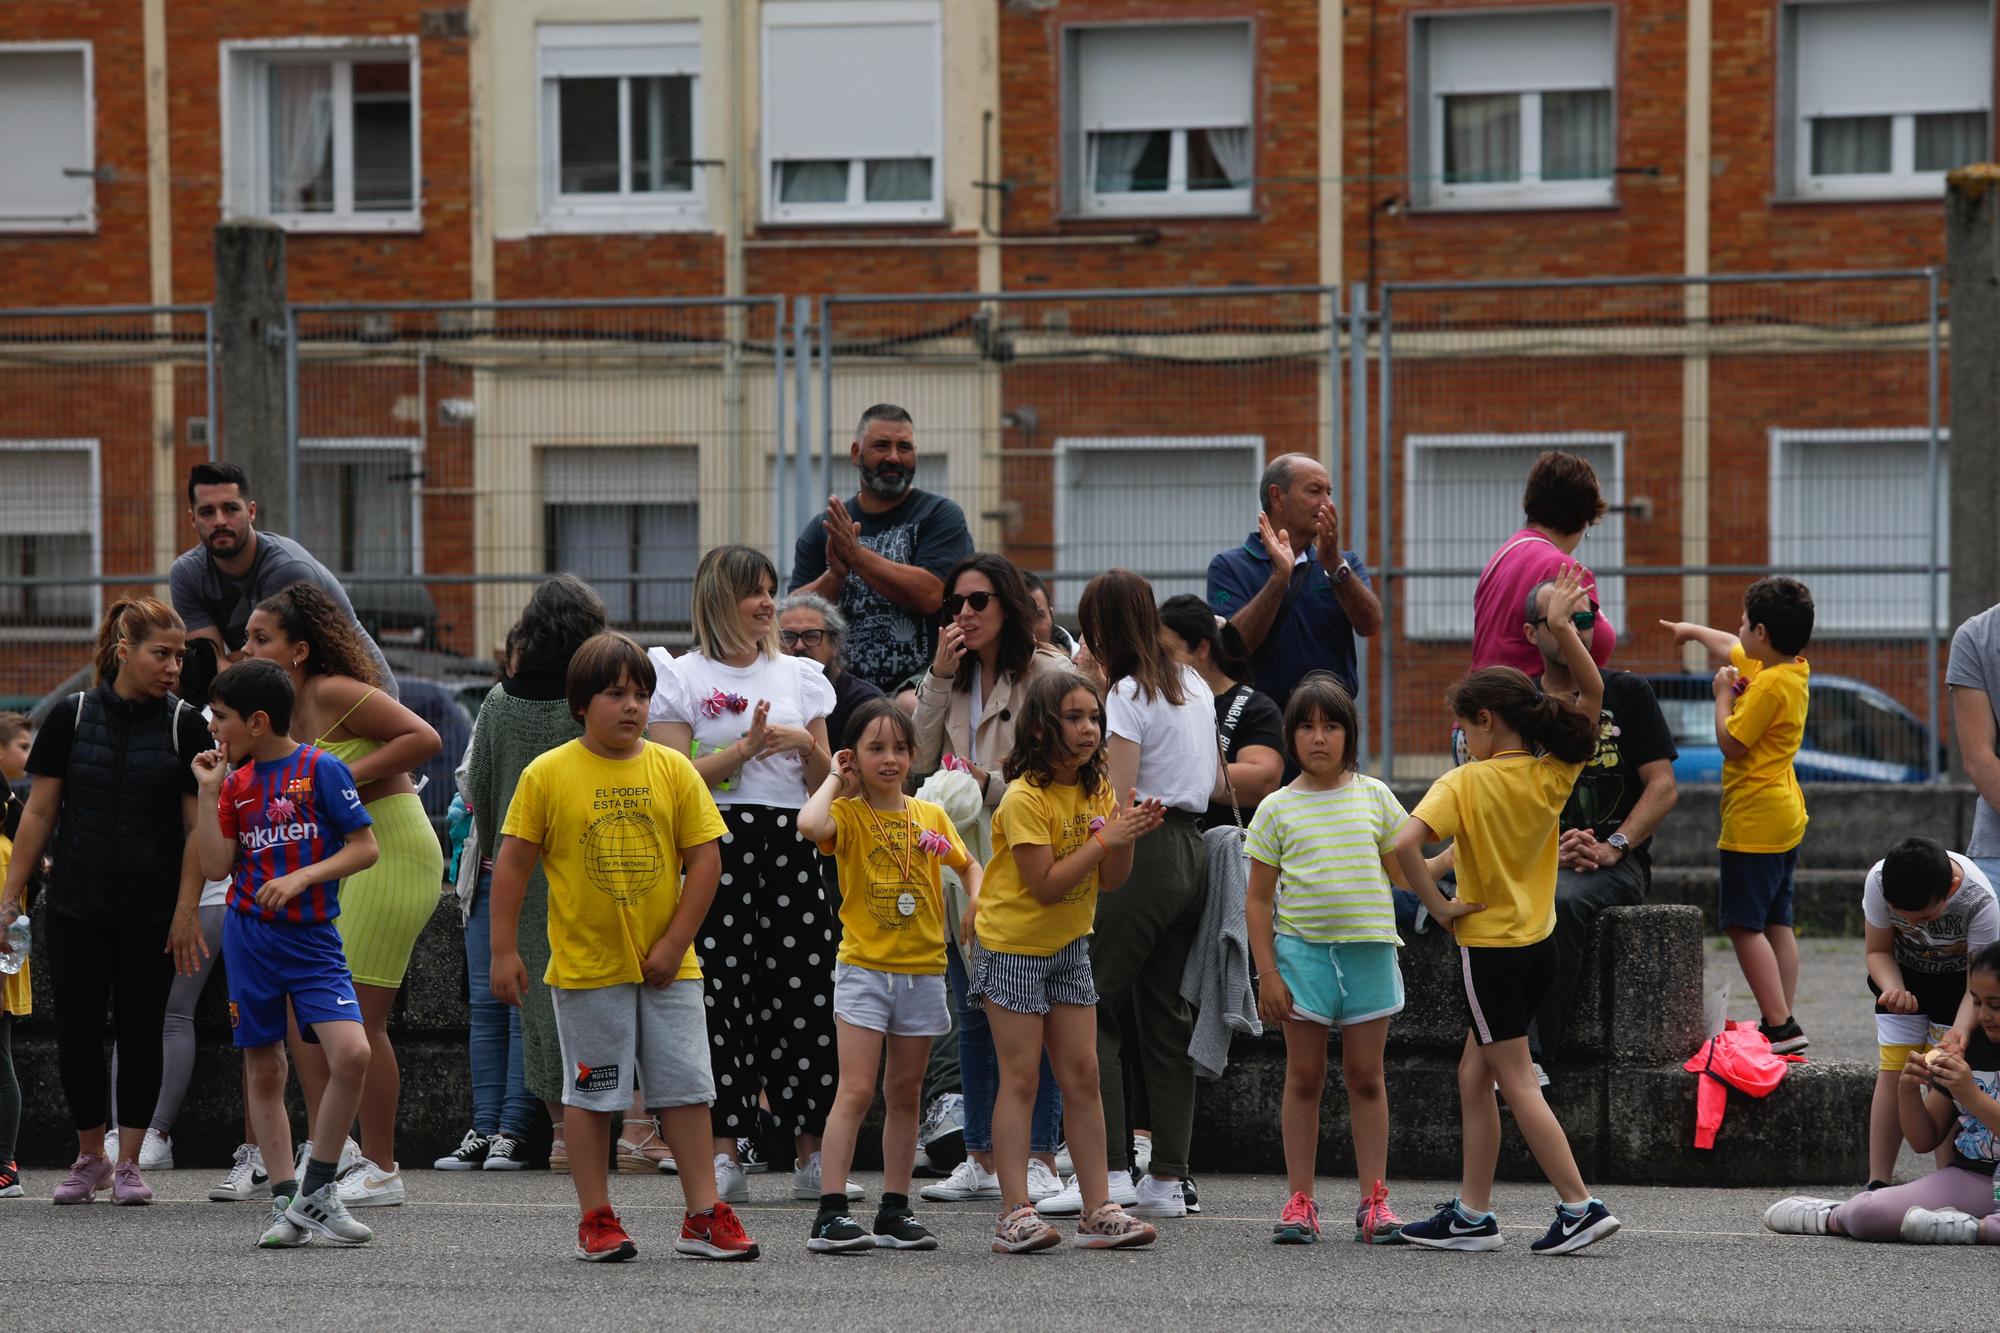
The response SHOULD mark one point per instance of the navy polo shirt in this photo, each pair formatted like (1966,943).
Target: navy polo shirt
(1315,634)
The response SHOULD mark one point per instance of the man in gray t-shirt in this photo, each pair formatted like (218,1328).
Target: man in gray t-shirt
(218,584)
(1973,674)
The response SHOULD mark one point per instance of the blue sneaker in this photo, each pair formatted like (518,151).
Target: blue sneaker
(1450,1229)
(1572,1231)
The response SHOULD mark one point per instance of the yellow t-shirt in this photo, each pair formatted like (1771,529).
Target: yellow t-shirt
(17,995)
(611,832)
(1503,813)
(1763,809)
(1057,817)
(891,895)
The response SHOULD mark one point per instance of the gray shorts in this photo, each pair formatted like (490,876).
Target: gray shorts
(1030,985)
(617,1037)
(898,1003)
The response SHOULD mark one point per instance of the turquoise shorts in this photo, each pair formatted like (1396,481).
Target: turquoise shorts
(1340,984)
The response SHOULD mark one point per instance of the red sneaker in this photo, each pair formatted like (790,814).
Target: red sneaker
(601,1238)
(715,1234)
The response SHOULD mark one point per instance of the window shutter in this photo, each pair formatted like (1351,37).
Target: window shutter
(609,50)
(48,492)
(1882,59)
(1516,53)
(47,115)
(1177,76)
(648,475)
(852,81)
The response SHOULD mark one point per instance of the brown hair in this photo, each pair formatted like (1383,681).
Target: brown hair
(12,725)
(725,576)
(305,614)
(131,621)
(1319,695)
(1562,493)
(599,662)
(1017,614)
(1122,626)
(1517,701)
(874,709)
(1038,732)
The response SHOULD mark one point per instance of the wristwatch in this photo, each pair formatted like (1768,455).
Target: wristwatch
(1621,842)
(1341,573)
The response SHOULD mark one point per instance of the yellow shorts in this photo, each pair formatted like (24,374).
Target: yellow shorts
(1900,1036)
(385,907)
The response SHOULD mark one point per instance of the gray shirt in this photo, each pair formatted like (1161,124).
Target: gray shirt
(206,597)
(1975,665)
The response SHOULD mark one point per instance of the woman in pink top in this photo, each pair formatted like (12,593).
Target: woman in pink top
(1561,502)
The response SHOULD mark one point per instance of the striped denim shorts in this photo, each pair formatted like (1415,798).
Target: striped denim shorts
(1030,985)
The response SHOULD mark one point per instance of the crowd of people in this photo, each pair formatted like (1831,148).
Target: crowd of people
(894,825)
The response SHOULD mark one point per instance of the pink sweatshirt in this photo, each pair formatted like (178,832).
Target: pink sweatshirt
(1524,560)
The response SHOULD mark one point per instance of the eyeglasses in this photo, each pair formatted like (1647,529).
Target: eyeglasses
(979,601)
(792,638)
(1585,621)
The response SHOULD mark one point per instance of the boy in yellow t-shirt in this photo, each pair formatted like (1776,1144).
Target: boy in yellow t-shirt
(614,819)
(1760,718)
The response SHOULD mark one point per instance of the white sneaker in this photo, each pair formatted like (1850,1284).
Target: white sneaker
(156,1153)
(350,1153)
(1064,1166)
(731,1185)
(805,1181)
(282,1233)
(1800,1215)
(1069,1203)
(246,1180)
(322,1214)
(369,1186)
(111,1144)
(1947,1226)
(1158,1198)
(1042,1182)
(968,1180)
(1142,1154)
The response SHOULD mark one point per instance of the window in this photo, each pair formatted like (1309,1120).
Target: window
(47,180)
(1462,498)
(1514,110)
(360,509)
(1160,119)
(624,520)
(620,124)
(49,529)
(852,111)
(1149,505)
(1884,98)
(322,135)
(1861,497)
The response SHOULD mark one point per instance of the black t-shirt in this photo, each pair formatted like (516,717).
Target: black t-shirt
(1257,722)
(849,693)
(50,756)
(1633,732)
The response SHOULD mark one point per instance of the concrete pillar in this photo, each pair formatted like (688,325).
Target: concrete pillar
(250,363)
(1972,266)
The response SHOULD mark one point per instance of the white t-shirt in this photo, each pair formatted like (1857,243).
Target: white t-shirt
(1176,744)
(1970,922)
(214,892)
(797,689)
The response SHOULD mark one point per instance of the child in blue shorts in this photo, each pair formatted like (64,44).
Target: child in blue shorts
(288,827)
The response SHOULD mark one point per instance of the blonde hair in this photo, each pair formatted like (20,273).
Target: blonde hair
(131,621)
(725,576)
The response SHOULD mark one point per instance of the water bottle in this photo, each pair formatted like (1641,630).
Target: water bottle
(20,937)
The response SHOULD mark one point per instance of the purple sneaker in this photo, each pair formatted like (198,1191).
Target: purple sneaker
(128,1186)
(87,1175)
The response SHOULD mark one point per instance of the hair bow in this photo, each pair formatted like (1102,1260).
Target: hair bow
(717,703)
(933,843)
(1096,823)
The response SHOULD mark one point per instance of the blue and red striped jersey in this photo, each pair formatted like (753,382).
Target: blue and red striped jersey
(287,814)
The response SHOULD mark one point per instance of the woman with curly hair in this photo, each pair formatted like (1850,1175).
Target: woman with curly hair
(342,707)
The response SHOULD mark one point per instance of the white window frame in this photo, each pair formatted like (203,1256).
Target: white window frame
(88,222)
(410,445)
(1177,200)
(1063,589)
(855,208)
(1902,180)
(92,450)
(627,210)
(1421,621)
(246,130)
(1431,192)
(694,501)
(1833,618)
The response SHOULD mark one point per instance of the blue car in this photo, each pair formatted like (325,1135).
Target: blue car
(1854,732)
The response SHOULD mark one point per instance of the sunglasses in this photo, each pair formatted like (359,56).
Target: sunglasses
(1583,620)
(978,600)
(792,638)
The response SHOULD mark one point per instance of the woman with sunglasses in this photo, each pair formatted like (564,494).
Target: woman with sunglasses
(966,706)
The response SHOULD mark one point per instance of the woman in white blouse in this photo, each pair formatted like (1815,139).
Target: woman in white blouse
(753,720)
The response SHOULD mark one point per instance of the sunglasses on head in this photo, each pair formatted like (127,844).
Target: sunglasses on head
(978,600)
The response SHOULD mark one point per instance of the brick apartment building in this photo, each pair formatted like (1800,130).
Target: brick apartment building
(586,150)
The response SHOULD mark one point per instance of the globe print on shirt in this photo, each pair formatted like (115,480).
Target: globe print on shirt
(622,856)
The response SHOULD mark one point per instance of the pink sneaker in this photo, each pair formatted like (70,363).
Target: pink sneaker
(128,1186)
(1112,1228)
(87,1175)
(1375,1223)
(1299,1223)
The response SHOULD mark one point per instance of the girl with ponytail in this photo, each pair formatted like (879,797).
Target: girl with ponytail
(1502,813)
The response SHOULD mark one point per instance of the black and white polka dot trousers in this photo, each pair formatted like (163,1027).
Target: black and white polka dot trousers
(767,953)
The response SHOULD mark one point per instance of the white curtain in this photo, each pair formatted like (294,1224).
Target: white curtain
(301,98)
(898,180)
(812,182)
(1232,153)
(1850,145)
(1482,138)
(1950,140)
(1114,155)
(1576,136)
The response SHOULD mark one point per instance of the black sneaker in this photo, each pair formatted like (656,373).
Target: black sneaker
(1784,1038)
(468,1156)
(837,1233)
(1572,1231)
(1449,1229)
(752,1161)
(504,1153)
(1188,1194)
(900,1230)
(10,1181)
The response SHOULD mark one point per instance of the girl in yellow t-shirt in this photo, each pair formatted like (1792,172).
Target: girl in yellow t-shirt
(1502,813)
(1060,836)
(888,980)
